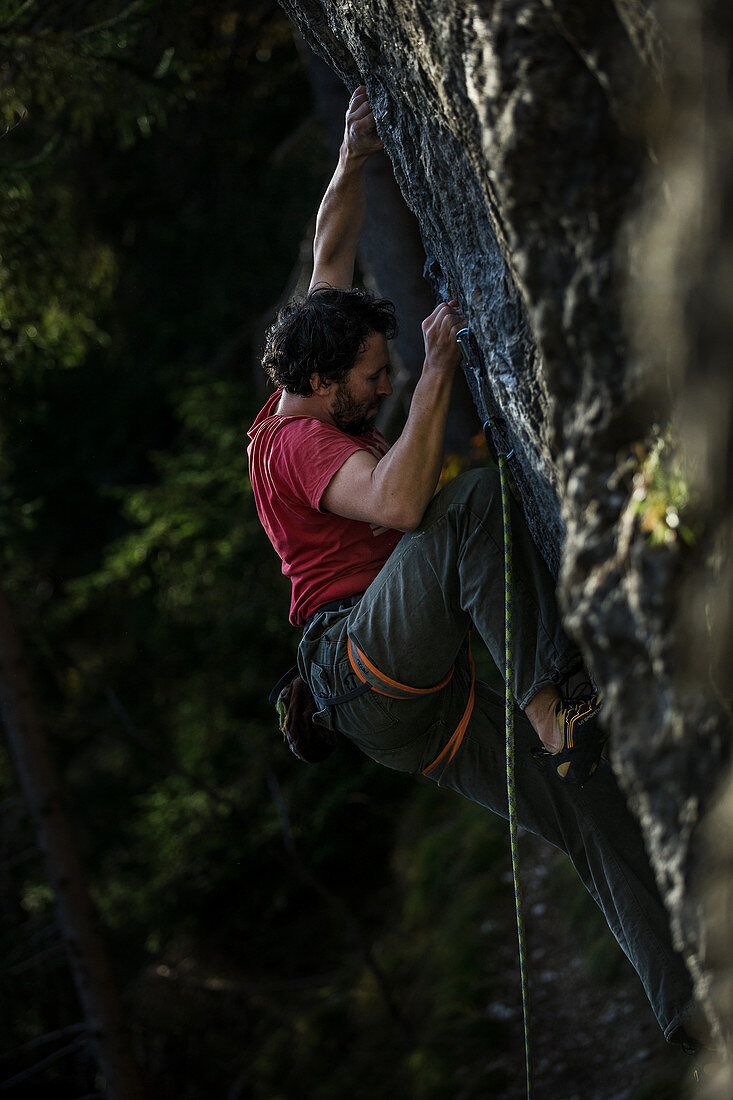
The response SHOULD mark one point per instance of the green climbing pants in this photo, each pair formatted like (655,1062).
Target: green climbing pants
(412,624)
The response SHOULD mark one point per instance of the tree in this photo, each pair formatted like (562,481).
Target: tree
(84,943)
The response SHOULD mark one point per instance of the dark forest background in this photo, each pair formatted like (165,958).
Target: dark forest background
(276,930)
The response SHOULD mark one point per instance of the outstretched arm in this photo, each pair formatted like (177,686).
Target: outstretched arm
(341,214)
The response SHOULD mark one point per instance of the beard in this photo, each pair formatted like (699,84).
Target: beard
(349,415)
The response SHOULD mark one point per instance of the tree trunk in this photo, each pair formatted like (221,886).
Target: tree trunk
(76,913)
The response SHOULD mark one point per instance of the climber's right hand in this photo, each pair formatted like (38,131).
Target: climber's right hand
(440,332)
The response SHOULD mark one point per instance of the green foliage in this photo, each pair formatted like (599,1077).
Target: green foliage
(65,79)
(662,498)
(137,240)
(47,308)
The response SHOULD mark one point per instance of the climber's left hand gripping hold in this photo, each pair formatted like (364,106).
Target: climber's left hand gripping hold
(342,211)
(360,132)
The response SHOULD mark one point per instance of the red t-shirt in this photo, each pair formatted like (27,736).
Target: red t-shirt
(291,462)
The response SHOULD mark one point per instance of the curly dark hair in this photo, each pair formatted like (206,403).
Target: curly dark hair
(323,333)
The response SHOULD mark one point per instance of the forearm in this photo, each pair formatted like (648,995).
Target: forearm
(406,478)
(340,222)
(394,491)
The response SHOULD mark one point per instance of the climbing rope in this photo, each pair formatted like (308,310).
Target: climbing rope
(510,784)
(493,431)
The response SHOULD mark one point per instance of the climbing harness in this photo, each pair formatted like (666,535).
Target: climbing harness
(375,680)
(495,433)
(370,678)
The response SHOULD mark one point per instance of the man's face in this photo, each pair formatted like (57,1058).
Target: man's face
(356,400)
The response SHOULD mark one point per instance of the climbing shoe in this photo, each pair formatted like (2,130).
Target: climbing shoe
(583,741)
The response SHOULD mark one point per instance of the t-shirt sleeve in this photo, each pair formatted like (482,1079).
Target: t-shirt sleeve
(308,454)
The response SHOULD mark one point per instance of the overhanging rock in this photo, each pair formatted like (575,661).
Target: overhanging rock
(518,133)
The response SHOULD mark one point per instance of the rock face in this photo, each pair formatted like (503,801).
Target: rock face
(523,135)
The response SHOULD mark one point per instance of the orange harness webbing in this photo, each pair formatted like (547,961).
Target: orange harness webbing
(357,657)
(457,737)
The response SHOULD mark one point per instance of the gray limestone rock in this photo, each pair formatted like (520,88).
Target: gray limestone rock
(566,165)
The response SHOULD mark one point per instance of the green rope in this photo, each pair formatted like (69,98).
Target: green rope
(495,438)
(510,785)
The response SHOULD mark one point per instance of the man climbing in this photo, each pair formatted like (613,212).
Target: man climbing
(388,579)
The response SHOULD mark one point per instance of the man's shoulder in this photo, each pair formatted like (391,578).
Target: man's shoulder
(270,419)
(295,431)
(301,438)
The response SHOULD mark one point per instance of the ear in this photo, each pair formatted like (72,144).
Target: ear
(318,387)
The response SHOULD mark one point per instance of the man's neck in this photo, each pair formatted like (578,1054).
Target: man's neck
(292,404)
